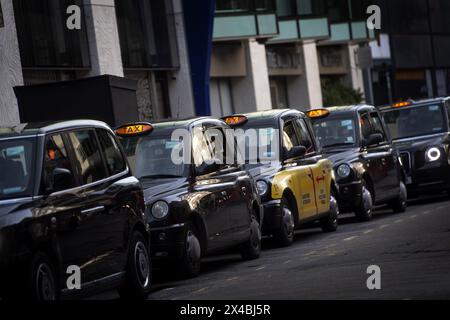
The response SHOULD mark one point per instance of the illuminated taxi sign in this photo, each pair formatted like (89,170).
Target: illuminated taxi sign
(235,120)
(134,129)
(401,104)
(317,113)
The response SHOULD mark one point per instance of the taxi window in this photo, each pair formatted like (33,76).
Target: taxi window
(208,145)
(305,136)
(290,138)
(55,156)
(16,168)
(113,156)
(366,128)
(377,125)
(87,155)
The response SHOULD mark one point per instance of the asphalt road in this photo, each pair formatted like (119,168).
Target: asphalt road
(412,250)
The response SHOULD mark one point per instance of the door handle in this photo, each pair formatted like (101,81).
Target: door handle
(383,161)
(224,193)
(93,210)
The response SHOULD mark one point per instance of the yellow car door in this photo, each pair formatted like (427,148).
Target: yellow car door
(322,171)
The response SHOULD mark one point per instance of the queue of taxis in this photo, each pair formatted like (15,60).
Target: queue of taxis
(368,169)
(295,181)
(420,130)
(199,199)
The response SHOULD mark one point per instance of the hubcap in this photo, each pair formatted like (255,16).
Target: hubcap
(45,283)
(288,221)
(193,249)
(367,198)
(334,207)
(142,264)
(255,234)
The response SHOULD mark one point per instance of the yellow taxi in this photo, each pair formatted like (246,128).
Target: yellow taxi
(295,181)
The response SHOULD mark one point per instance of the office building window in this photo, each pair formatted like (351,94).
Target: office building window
(147,34)
(45,40)
(232,5)
(311,7)
(221,97)
(440,13)
(338,11)
(408,16)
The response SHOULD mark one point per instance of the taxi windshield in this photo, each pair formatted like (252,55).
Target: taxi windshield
(16,168)
(151,156)
(258,142)
(415,121)
(335,132)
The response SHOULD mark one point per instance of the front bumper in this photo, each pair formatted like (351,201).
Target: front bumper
(350,196)
(272,216)
(168,242)
(428,179)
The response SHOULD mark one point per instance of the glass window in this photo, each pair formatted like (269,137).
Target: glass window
(408,16)
(305,136)
(290,138)
(366,127)
(111,151)
(232,5)
(16,168)
(335,132)
(338,11)
(311,7)
(87,155)
(377,125)
(55,156)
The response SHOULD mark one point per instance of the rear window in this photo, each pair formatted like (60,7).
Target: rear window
(17,159)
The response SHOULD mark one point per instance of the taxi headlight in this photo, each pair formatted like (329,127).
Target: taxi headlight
(262,187)
(160,209)
(343,171)
(433,154)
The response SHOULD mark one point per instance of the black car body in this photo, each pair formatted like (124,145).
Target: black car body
(367,166)
(68,199)
(420,131)
(194,209)
(295,181)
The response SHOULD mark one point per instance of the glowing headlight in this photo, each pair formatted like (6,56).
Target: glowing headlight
(343,171)
(262,187)
(433,154)
(160,209)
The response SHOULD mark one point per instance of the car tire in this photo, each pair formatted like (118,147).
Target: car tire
(284,236)
(330,223)
(190,261)
(365,209)
(43,279)
(399,205)
(251,249)
(139,270)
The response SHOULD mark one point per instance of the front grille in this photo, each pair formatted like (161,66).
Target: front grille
(406,160)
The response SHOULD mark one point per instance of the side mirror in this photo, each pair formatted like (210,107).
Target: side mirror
(373,139)
(206,168)
(62,179)
(295,152)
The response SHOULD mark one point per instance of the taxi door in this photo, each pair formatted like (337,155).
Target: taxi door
(320,167)
(298,176)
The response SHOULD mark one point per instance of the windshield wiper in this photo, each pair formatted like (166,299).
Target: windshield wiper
(338,144)
(160,176)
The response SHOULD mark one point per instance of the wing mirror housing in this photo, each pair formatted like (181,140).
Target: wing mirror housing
(373,139)
(62,180)
(294,153)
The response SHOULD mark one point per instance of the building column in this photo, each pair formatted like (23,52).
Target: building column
(252,92)
(10,66)
(180,84)
(305,91)
(103,37)
(354,78)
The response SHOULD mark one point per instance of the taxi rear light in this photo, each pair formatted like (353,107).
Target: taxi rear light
(317,113)
(235,120)
(401,104)
(134,129)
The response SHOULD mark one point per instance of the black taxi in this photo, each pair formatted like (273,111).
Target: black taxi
(420,131)
(295,181)
(72,216)
(367,166)
(199,199)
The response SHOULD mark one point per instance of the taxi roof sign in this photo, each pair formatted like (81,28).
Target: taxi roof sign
(317,113)
(402,104)
(134,129)
(235,120)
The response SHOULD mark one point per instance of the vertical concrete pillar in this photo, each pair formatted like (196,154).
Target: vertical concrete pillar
(252,92)
(103,37)
(354,77)
(180,84)
(10,66)
(305,91)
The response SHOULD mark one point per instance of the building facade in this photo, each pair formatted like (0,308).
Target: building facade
(142,40)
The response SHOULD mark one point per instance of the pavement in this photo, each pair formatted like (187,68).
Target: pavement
(411,249)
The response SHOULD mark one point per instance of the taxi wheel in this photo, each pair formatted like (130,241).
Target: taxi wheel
(191,259)
(400,204)
(252,248)
(43,280)
(364,211)
(284,236)
(330,223)
(138,277)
